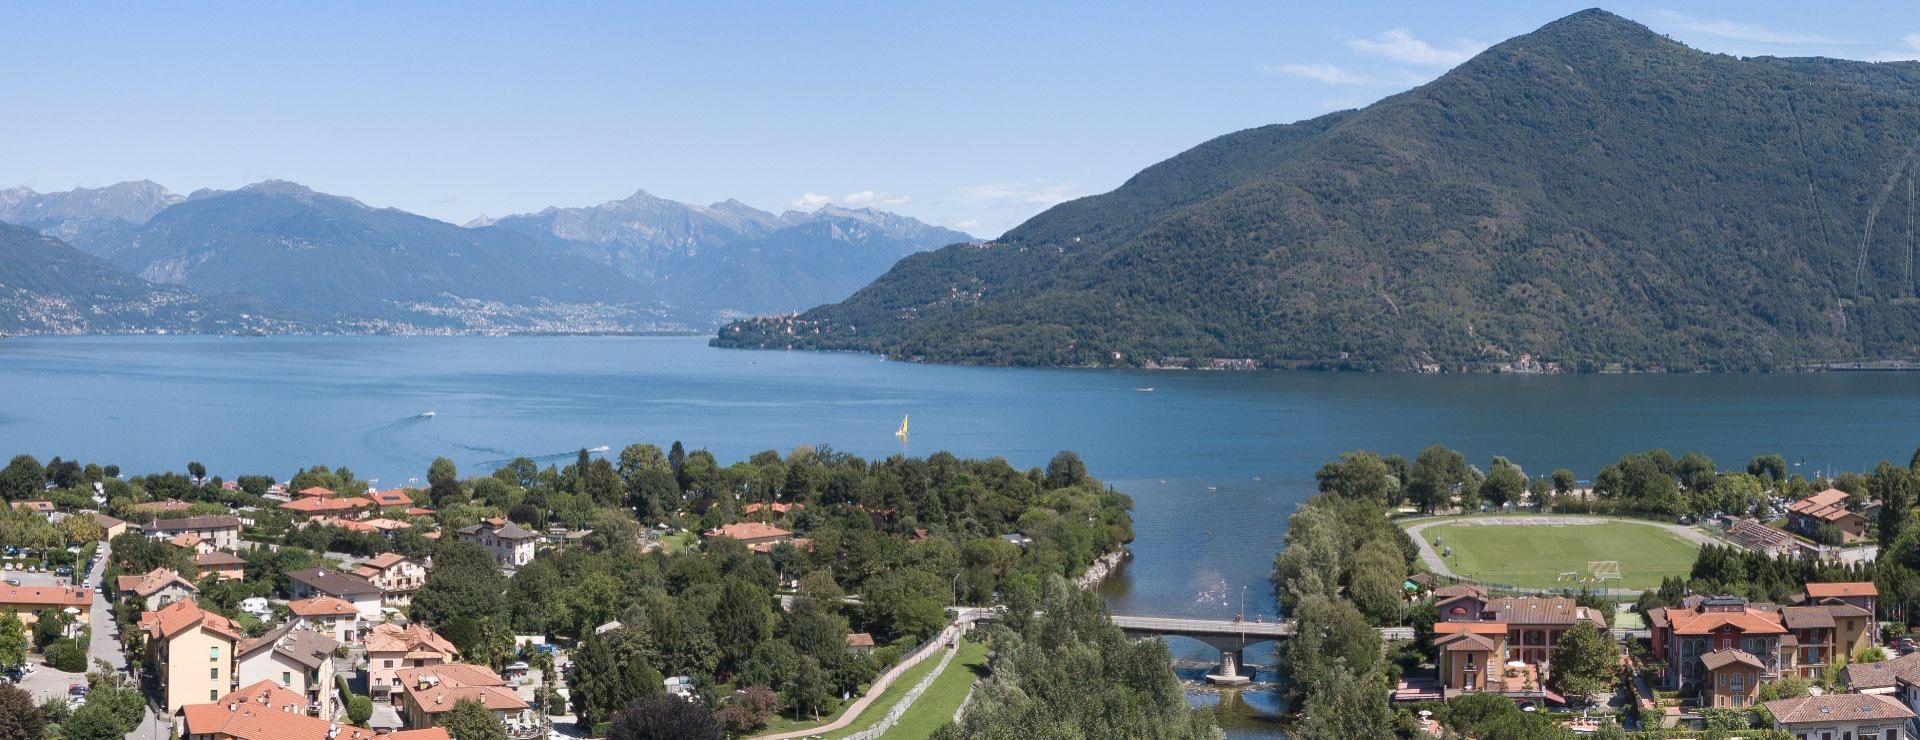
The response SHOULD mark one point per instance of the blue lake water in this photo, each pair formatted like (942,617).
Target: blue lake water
(1214,461)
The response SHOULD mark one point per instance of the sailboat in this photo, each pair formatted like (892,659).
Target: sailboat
(903,428)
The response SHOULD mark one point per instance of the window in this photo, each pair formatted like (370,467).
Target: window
(213,672)
(213,653)
(389,663)
(286,678)
(213,695)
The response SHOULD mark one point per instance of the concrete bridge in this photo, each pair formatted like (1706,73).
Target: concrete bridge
(1228,636)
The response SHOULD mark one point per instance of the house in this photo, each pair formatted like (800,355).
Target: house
(512,545)
(432,691)
(859,643)
(316,492)
(1683,635)
(234,717)
(398,577)
(225,566)
(1852,606)
(1808,515)
(156,588)
(1534,623)
(391,648)
(1471,655)
(776,508)
(1883,677)
(1809,648)
(1837,716)
(190,651)
(1736,679)
(192,542)
(316,507)
(296,658)
(392,500)
(753,533)
(329,616)
(325,581)
(110,527)
(30,602)
(43,507)
(222,531)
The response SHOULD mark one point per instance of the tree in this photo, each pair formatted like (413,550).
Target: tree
(1563,481)
(1505,483)
(464,582)
(664,717)
(1065,470)
(197,470)
(1347,707)
(470,720)
(1585,661)
(1774,467)
(1328,634)
(21,478)
(1436,474)
(13,641)
(810,690)
(359,709)
(748,710)
(610,672)
(741,620)
(1359,475)
(19,718)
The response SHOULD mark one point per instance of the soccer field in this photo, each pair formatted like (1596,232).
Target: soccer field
(1537,555)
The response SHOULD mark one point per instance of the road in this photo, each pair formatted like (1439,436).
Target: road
(936,646)
(105,645)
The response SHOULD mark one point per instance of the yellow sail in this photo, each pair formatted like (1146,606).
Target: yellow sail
(903,428)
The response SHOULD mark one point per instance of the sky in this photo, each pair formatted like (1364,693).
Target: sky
(970,115)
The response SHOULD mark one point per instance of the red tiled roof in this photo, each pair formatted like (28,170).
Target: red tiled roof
(317,492)
(323,505)
(183,614)
(1841,590)
(322,606)
(1838,708)
(42,596)
(1752,622)
(151,581)
(435,689)
(1828,505)
(243,721)
(392,497)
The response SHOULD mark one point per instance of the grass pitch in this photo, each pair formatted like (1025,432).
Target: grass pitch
(1538,556)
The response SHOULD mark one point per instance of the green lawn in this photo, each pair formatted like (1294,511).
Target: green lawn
(942,699)
(895,690)
(1535,555)
(676,542)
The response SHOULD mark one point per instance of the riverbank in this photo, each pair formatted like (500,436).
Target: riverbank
(1102,567)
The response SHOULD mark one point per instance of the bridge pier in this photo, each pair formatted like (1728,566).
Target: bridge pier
(1229,669)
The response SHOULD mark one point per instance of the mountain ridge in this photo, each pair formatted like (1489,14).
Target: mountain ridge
(1590,195)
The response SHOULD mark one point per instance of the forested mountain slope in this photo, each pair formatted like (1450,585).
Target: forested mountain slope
(1591,194)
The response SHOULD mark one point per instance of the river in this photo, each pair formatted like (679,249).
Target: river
(1214,461)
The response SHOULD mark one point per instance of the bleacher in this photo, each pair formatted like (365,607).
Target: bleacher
(1754,535)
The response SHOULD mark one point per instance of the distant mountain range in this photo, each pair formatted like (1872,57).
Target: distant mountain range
(732,258)
(346,266)
(1591,195)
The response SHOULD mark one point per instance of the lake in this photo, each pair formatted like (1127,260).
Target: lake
(1214,461)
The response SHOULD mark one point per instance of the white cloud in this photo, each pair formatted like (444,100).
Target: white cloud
(811,201)
(860,199)
(1733,30)
(1401,45)
(1333,74)
(1911,53)
(869,197)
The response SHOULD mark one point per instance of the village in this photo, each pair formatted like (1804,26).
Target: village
(323,613)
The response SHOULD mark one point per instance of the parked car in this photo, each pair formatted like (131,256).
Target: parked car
(78,689)
(64,570)
(13,582)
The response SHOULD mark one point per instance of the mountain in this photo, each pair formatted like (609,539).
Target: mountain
(82,211)
(48,287)
(378,269)
(729,259)
(1591,194)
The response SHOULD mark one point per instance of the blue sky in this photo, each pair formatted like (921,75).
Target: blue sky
(973,115)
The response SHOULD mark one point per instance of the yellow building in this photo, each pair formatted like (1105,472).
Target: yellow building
(191,651)
(32,602)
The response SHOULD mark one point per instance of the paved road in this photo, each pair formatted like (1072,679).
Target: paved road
(1186,626)
(933,647)
(1439,565)
(105,645)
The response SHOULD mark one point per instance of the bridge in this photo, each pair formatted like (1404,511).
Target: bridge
(1230,637)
